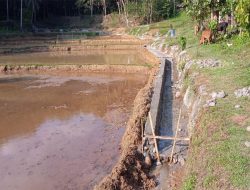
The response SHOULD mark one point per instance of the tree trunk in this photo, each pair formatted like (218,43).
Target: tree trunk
(174,7)
(21,16)
(119,8)
(91,7)
(104,8)
(125,12)
(151,11)
(7,10)
(32,14)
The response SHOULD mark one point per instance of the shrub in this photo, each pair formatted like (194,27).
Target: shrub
(183,42)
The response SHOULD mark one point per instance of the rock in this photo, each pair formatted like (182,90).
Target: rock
(210,103)
(248,128)
(206,63)
(202,90)
(244,92)
(237,106)
(177,94)
(175,160)
(179,130)
(148,161)
(188,98)
(220,94)
(181,160)
(247,143)
(182,56)
(214,94)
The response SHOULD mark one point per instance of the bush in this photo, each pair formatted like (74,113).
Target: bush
(212,25)
(183,42)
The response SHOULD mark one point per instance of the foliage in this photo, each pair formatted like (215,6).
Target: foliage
(212,25)
(199,9)
(243,14)
(183,42)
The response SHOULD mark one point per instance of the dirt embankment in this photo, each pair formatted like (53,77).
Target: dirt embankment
(130,172)
(75,68)
(44,44)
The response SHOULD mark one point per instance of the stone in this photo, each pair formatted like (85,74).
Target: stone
(181,160)
(175,160)
(210,103)
(213,95)
(177,94)
(247,143)
(202,90)
(206,63)
(248,128)
(188,98)
(148,161)
(237,106)
(243,92)
(220,94)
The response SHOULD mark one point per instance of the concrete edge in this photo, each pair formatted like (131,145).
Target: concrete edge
(156,103)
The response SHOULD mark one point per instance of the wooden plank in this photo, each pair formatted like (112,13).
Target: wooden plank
(155,141)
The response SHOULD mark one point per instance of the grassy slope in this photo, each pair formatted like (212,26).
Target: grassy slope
(218,158)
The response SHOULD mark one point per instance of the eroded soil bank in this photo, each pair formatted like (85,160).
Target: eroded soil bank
(63,131)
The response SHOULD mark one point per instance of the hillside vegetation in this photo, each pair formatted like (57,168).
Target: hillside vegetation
(218,157)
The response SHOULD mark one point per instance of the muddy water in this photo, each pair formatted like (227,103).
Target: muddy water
(121,57)
(62,132)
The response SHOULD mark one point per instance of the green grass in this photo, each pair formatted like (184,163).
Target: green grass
(190,182)
(218,158)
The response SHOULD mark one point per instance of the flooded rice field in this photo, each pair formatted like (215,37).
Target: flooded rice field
(62,131)
(102,57)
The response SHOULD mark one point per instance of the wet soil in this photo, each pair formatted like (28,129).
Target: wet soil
(75,57)
(62,132)
(131,172)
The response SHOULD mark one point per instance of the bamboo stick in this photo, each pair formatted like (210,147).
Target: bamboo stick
(155,141)
(176,133)
(168,138)
(142,134)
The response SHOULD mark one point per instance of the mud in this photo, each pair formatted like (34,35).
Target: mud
(74,58)
(130,172)
(63,131)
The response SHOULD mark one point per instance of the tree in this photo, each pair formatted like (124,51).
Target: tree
(242,14)
(87,3)
(35,5)
(7,10)
(199,9)
(21,16)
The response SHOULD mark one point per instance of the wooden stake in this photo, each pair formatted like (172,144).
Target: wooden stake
(142,134)
(176,133)
(155,141)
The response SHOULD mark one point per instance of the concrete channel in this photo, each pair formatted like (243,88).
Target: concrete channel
(163,84)
(164,110)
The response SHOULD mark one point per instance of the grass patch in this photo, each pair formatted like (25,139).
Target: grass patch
(190,182)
